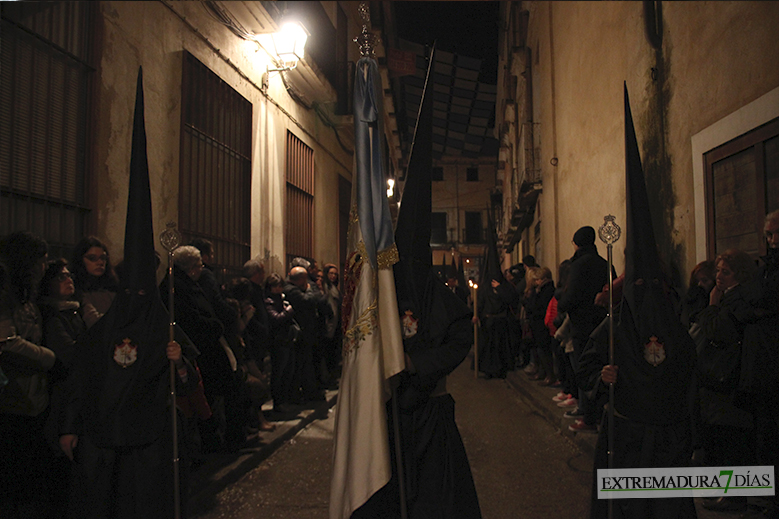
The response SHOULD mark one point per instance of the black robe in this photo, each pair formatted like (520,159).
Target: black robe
(118,405)
(495,353)
(438,476)
(652,404)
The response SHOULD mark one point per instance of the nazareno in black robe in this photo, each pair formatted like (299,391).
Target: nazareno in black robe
(438,476)
(653,403)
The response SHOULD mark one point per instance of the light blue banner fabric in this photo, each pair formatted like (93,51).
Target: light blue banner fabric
(371,189)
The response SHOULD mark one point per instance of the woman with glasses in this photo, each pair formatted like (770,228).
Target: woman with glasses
(94,279)
(62,323)
(62,326)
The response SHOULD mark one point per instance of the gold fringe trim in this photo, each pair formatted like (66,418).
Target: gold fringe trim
(388,257)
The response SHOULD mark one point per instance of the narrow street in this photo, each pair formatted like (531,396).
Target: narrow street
(521,464)
(525,462)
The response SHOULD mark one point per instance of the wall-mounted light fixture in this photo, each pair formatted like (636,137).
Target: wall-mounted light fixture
(285,48)
(390,187)
(289,44)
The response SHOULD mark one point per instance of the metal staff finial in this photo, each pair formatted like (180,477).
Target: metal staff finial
(609,234)
(366,40)
(170,238)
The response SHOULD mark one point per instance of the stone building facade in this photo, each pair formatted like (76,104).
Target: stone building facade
(703,79)
(258,162)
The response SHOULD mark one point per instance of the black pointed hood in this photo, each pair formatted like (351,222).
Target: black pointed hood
(412,232)
(492,266)
(125,349)
(655,351)
(643,260)
(139,270)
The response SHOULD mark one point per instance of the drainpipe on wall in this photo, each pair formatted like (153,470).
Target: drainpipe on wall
(653,22)
(530,160)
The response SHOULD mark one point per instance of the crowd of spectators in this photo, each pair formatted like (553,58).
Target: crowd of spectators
(731,309)
(272,338)
(260,340)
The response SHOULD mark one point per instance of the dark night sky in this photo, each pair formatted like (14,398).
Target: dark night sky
(467,28)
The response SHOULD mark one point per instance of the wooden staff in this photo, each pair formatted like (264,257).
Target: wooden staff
(170,240)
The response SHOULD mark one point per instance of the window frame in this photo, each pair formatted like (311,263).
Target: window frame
(754,138)
(300,174)
(215,163)
(62,36)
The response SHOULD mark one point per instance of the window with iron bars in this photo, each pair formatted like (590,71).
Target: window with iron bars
(46,53)
(215,166)
(299,228)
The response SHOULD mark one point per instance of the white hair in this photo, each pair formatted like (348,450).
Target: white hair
(187,257)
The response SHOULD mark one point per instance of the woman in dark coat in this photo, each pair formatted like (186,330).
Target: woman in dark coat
(217,361)
(29,368)
(697,298)
(332,336)
(94,278)
(62,326)
(282,353)
(536,307)
(728,432)
(62,322)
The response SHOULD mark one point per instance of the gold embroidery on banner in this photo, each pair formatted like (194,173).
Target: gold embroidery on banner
(388,257)
(354,215)
(362,328)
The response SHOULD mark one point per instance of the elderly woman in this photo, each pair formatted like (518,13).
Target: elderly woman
(94,278)
(728,432)
(217,362)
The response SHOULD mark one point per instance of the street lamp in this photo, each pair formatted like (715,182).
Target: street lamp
(289,44)
(285,48)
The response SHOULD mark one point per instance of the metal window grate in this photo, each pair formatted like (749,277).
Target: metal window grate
(299,233)
(215,166)
(44,91)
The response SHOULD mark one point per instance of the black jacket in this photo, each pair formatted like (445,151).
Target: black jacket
(279,316)
(536,307)
(196,317)
(306,304)
(589,273)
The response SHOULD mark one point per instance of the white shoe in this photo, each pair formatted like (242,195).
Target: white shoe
(571,402)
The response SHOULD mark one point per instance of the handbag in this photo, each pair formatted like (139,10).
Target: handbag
(293,333)
(719,366)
